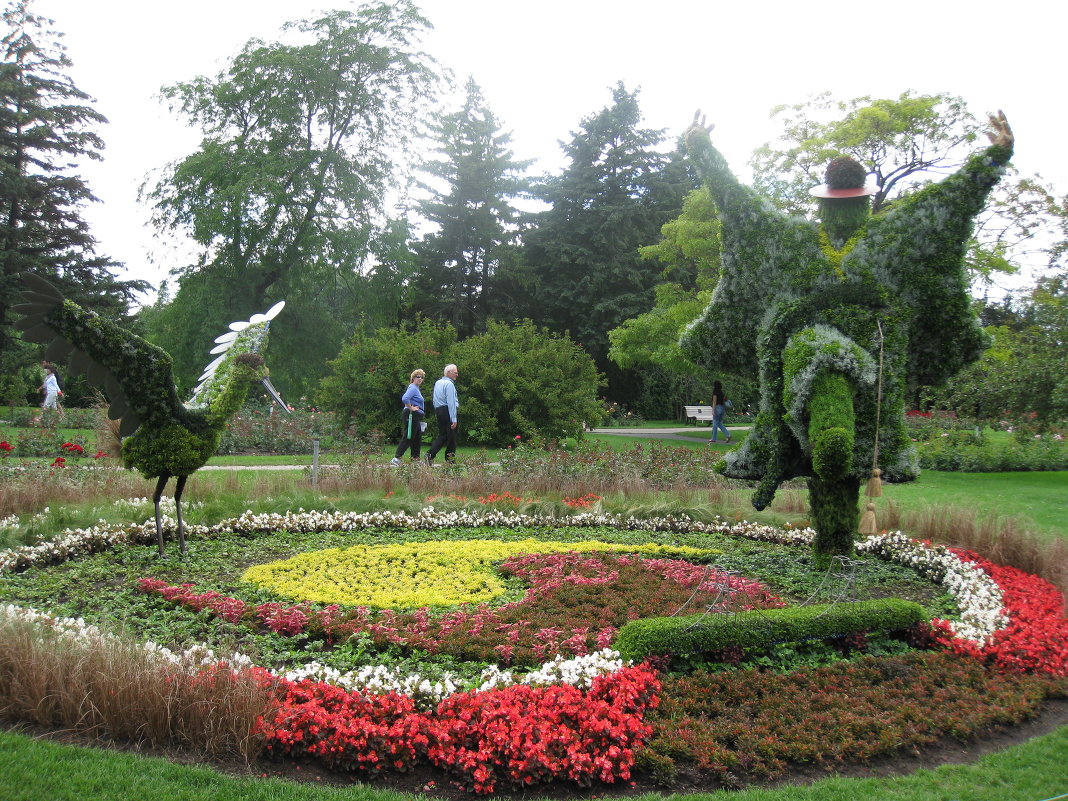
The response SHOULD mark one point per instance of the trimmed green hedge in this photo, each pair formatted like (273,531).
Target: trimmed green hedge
(700,634)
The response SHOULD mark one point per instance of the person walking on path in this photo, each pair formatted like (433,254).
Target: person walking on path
(412,424)
(720,404)
(446,405)
(51,391)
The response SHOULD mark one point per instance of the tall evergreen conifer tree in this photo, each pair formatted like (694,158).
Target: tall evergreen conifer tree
(46,126)
(613,197)
(471,206)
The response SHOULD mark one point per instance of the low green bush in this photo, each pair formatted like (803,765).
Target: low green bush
(702,634)
(964,452)
(32,416)
(48,442)
(654,463)
(922,426)
(515,380)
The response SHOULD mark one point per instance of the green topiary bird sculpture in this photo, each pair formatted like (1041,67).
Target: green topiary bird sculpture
(162,437)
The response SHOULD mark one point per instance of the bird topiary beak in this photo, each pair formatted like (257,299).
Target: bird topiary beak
(274,394)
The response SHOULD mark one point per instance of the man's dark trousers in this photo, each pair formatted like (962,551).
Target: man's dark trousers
(446,436)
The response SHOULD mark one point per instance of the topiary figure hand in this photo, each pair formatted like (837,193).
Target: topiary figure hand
(697,127)
(1001,133)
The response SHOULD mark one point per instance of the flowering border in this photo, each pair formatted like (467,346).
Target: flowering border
(978,589)
(580,719)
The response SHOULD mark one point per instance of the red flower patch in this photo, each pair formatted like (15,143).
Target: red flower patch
(514,736)
(1036,638)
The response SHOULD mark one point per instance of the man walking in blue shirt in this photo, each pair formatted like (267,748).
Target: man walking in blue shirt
(445,406)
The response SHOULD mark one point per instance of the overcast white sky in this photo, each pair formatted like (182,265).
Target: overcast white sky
(545,65)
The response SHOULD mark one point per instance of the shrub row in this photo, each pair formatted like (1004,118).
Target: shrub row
(254,430)
(702,634)
(966,454)
(30,416)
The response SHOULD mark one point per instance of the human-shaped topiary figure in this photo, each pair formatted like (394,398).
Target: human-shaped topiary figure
(839,316)
(163,437)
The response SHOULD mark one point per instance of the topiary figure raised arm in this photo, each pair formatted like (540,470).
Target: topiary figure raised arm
(162,436)
(819,306)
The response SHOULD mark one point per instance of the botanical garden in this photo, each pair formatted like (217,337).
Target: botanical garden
(858,592)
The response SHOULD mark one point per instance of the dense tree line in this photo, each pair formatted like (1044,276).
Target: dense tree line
(309,141)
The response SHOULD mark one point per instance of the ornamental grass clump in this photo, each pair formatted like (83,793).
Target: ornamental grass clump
(1002,540)
(68,676)
(27,487)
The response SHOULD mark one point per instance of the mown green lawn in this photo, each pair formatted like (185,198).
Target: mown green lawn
(30,770)
(1038,500)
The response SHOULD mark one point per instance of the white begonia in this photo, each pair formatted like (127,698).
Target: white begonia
(976,594)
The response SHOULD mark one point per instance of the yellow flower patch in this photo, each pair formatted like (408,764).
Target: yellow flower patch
(434,573)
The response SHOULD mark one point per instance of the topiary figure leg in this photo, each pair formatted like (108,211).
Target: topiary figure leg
(161,482)
(833,487)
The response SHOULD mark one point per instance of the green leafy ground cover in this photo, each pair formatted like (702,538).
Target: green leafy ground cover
(102,588)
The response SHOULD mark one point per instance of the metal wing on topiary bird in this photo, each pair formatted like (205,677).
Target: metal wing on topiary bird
(162,437)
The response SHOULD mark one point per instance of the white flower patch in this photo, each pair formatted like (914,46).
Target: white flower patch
(976,594)
(167,505)
(578,671)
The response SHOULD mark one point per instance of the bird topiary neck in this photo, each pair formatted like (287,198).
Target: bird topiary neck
(246,369)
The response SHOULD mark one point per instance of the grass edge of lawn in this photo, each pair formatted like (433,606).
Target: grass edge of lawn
(29,765)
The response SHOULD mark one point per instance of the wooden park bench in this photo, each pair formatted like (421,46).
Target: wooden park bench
(698,412)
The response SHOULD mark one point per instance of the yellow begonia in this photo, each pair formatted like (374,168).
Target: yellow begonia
(434,573)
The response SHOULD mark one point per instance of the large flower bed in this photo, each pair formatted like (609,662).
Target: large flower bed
(563,611)
(591,718)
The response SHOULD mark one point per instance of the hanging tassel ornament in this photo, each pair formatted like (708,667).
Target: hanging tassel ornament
(875,484)
(867,522)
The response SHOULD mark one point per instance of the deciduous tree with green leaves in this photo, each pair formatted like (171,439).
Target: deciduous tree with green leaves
(688,252)
(894,139)
(1023,376)
(285,196)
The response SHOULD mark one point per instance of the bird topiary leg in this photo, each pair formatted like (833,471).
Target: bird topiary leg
(160,484)
(179,485)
